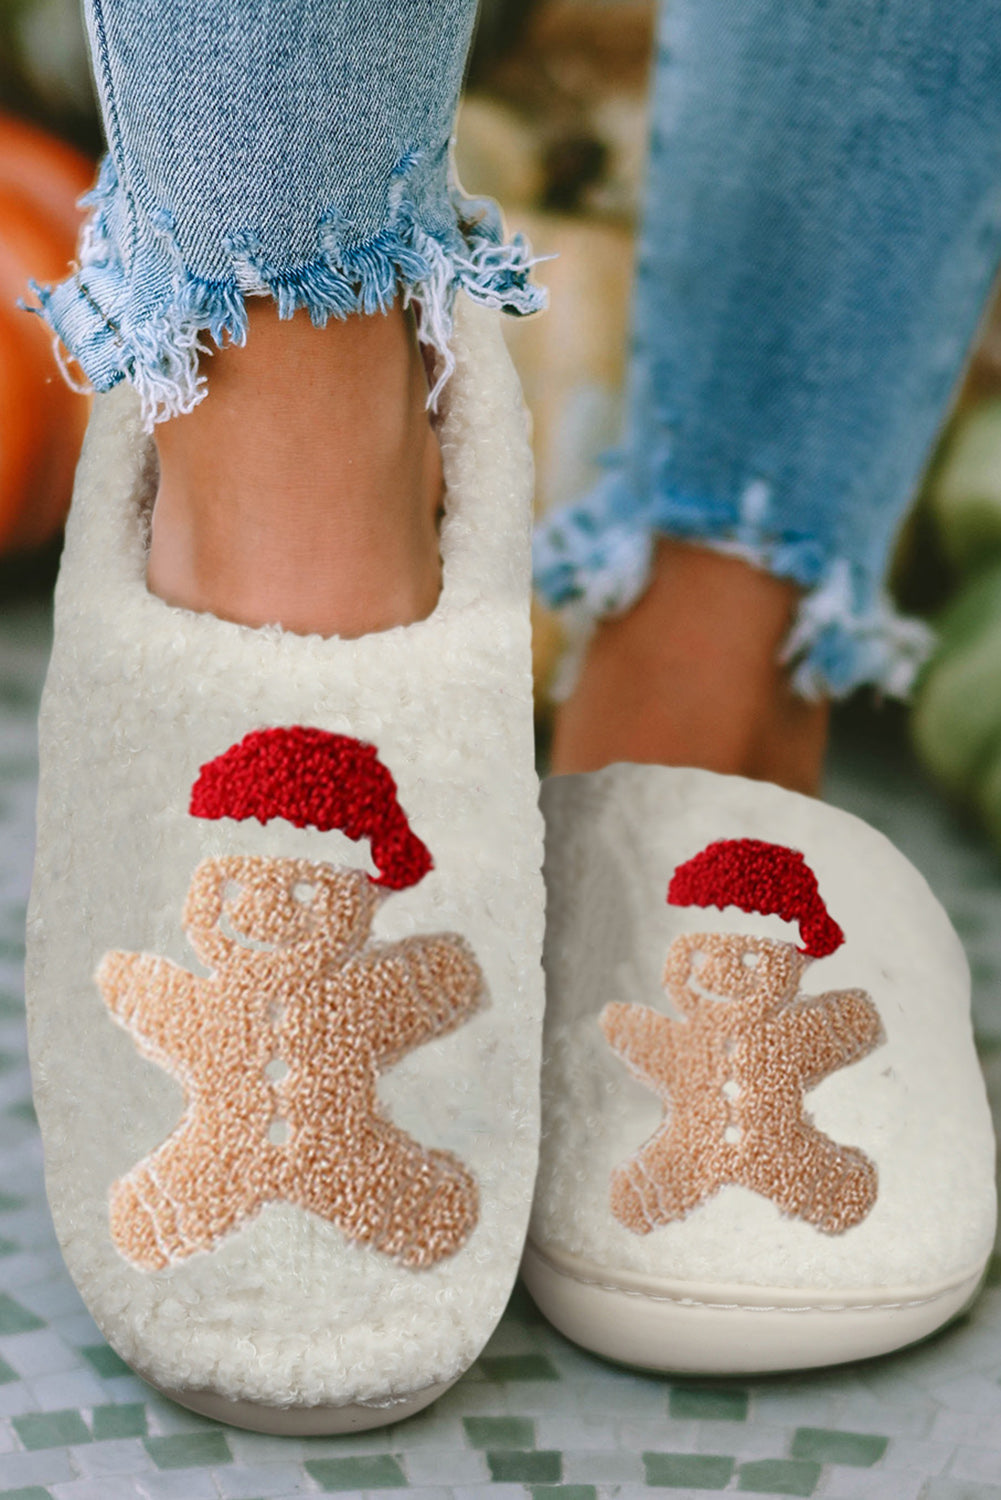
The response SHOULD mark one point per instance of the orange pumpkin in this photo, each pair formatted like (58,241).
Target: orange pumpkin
(19,426)
(42,419)
(51,173)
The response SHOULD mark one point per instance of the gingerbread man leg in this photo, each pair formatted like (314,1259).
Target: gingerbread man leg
(434,1216)
(813,1178)
(668,1177)
(183,1198)
(383,1189)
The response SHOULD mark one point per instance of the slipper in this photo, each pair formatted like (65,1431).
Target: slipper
(766,1139)
(284,978)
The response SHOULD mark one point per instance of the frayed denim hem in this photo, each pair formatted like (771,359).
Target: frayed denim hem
(103,318)
(594,558)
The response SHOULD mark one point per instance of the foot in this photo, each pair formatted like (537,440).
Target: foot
(690,677)
(305,490)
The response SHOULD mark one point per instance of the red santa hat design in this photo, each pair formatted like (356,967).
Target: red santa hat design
(759,877)
(315,779)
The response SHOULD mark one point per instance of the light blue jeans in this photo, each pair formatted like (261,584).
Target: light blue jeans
(291,148)
(822,225)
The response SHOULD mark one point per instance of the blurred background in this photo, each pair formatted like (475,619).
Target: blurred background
(553,126)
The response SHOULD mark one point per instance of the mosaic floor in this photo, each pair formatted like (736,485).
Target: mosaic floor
(535,1417)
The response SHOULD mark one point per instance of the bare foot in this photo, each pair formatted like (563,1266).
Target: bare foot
(305,489)
(689,677)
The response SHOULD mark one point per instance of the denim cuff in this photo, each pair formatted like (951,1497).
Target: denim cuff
(144,322)
(594,558)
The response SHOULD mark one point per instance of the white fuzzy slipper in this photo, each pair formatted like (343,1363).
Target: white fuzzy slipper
(766,1140)
(284,976)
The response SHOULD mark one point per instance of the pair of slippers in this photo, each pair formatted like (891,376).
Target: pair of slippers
(286,1001)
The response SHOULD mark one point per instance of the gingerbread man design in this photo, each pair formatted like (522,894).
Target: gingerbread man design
(732,1073)
(279,1049)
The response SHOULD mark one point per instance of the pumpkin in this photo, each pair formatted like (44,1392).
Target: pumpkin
(48,171)
(43,419)
(956,721)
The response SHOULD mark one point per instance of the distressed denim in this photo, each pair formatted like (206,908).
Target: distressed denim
(822,225)
(296,148)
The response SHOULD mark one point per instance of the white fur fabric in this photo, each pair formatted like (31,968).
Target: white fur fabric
(916,1105)
(139,695)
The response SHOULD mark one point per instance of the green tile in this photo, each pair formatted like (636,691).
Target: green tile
(51,1429)
(564,1492)
(32,1492)
(7,1247)
(500,1432)
(105,1361)
(14,694)
(17,768)
(693,1471)
(17,1319)
(10,1202)
(826,1446)
(378,1471)
(188,1450)
(124,1421)
(12,949)
(518,1367)
(521,1308)
(716,1404)
(779,1476)
(536,1467)
(9,1060)
(959,1489)
(10,1005)
(6,1373)
(22,1110)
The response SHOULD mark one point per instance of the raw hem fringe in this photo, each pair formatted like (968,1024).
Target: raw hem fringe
(594,559)
(158,351)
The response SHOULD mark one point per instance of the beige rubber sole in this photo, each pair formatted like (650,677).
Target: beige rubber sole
(304,1421)
(685,1328)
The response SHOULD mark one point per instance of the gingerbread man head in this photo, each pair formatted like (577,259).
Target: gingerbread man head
(244,903)
(748,975)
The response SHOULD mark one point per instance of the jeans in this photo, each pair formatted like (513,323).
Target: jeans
(822,224)
(291,148)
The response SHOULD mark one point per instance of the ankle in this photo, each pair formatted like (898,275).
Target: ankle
(690,677)
(305,489)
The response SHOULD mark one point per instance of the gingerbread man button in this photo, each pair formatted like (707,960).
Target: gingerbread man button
(280,1048)
(733,1072)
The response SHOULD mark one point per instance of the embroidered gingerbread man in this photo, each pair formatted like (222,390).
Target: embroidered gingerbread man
(733,1072)
(279,1049)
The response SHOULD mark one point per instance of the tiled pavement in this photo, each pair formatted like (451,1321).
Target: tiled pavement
(535,1417)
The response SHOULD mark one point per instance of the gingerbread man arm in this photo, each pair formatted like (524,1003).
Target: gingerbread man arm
(829,1032)
(644,1039)
(153,999)
(414,990)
